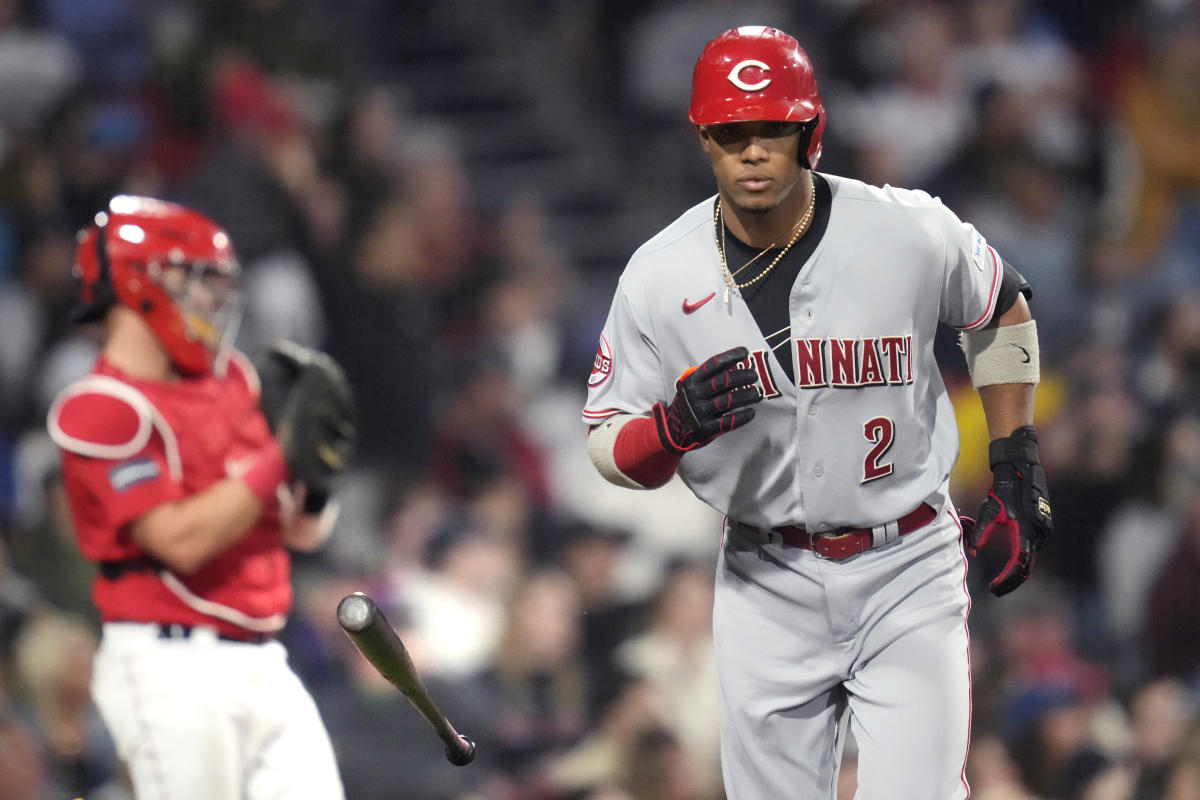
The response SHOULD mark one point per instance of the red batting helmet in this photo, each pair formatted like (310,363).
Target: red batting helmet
(753,74)
(172,266)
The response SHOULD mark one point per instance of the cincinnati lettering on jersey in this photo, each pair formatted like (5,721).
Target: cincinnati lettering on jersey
(853,363)
(842,363)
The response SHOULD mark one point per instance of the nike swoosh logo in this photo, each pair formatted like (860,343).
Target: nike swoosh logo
(1025,360)
(689,308)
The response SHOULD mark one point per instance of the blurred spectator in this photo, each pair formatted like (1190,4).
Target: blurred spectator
(1159,106)
(1092,776)
(1173,608)
(54,669)
(1035,636)
(260,160)
(1048,727)
(479,437)
(1013,47)
(675,654)
(631,710)
(538,680)
(457,604)
(991,770)
(1029,211)
(46,553)
(23,771)
(921,86)
(19,598)
(1184,781)
(1168,379)
(38,66)
(381,329)
(1090,450)
(1136,539)
(590,555)
(1160,713)
(110,36)
(663,769)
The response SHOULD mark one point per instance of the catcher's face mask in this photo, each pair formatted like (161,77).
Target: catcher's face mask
(209,299)
(173,267)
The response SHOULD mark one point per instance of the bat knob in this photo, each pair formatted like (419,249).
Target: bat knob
(356,611)
(461,756)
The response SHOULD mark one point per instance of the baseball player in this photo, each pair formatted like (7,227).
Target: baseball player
(817,421)
(186,500)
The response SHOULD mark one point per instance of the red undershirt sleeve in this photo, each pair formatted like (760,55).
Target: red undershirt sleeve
(639,456)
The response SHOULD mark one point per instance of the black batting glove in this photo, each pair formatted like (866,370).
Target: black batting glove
(1016,511)
(710,400)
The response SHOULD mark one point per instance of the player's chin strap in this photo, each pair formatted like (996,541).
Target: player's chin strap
(1007,354)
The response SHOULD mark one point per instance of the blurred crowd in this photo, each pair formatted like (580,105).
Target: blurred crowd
(561,622)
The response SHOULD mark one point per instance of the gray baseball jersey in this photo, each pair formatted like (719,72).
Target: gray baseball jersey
(861,437)
(866,432)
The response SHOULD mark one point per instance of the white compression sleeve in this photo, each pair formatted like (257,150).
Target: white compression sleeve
(1007,354)
(602,442)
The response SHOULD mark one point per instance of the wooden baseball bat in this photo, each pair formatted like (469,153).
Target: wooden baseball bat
(375,638)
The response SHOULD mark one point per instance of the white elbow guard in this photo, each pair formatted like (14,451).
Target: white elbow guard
(1007,354)
(602,441)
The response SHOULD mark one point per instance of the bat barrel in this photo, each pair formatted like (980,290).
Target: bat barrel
(375,638)
(356,612)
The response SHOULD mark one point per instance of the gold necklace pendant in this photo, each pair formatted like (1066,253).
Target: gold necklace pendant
(801,229)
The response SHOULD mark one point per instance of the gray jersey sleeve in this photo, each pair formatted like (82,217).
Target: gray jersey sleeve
(627,374)
(973,273)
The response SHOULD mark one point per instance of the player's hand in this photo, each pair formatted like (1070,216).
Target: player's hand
(307,400)
(1016,511)
(710,400)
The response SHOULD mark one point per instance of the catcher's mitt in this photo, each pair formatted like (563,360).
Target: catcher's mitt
(308,403)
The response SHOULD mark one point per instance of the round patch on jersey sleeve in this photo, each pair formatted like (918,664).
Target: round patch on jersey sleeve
(602,367)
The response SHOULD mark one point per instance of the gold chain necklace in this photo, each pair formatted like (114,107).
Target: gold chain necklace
(719,223)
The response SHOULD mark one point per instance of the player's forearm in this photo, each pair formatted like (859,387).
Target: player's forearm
(187,534)
(627,451)
(1007,406)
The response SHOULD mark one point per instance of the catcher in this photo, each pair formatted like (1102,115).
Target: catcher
(187,480)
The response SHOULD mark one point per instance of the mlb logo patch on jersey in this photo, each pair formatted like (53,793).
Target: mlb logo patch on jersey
(131,473)
(979,250)
(602,366)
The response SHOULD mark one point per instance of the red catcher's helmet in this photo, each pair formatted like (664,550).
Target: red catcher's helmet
(753,74)
(172,266)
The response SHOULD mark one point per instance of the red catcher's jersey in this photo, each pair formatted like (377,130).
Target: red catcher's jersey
(130,445)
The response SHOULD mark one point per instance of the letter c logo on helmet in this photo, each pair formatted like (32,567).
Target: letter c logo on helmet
(757,74)
(736,73)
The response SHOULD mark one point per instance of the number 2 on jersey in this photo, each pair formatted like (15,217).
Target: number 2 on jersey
(880,432)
